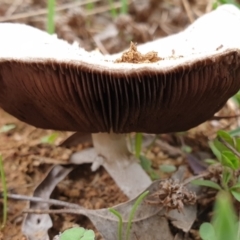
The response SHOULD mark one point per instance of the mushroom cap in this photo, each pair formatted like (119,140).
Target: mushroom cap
(48,83)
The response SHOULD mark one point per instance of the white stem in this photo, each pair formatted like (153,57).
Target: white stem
(122,166)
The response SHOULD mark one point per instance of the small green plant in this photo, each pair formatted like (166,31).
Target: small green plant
(4,186)
(130,218)
(50,139)
(144,161)
(226,149)
(77,233)
(120,221)
(224,224)
(147,166)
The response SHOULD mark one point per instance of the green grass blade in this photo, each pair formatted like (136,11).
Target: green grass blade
(4,185)
(120,221)
(113,10)
(90,6)
(133,211)
(50,17)
(138,144)
(124,7)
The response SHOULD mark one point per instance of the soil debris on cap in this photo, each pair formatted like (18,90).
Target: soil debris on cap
(134,56)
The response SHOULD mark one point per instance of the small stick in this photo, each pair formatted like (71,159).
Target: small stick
(224,117)
(52,211)
(41,200)
(188,10)
(13,7)
(202,175)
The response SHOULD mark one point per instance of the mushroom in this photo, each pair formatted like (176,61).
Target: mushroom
(50,84)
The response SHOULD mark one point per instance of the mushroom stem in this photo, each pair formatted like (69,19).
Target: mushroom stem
(122,166)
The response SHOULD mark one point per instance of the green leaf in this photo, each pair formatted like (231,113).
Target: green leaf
(147,166)
(215,150)
(210,161)
(226,137)
(167,168)
(145,163)
(236,195)
(224,217)
(77,233)
(236,186)
(7,127)
(227,176)
(50,139)
(237,144)
(235,132)
(220,147)
(206,183)
(88,235)
(229,159)
(153,175)
(207,231)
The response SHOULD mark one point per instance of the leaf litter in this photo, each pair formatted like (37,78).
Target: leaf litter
(149,222)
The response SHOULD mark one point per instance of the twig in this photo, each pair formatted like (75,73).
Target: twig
(188,10)
(202,175)
(209,6)
(13,8)
(172,151)
(100,46)
(52,211)
(48,160)
(226,144)
(41,200)
(224,117)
